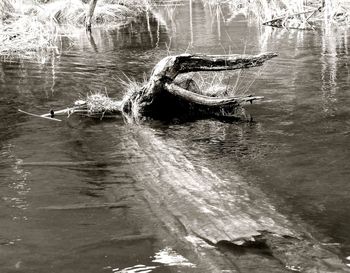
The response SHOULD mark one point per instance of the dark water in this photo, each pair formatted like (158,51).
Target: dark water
(91,196)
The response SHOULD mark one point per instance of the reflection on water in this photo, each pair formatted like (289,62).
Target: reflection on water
(86,196)
(169,257)
(334,46)
(166,256)
(333,52)
(18,185)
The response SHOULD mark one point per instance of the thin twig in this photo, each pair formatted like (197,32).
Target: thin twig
(38,116)
(287,16)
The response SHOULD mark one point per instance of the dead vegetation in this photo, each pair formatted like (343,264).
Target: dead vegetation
(31,29)
(166,97)
(298,14)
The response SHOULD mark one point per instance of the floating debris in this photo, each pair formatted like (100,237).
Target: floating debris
(164,98)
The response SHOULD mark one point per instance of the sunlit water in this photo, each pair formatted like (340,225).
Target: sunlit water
(105,196)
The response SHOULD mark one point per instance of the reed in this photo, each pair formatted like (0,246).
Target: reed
(24,33)
(73,12)
(33,28)
(292,14)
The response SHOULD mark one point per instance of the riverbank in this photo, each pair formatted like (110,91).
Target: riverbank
(30,28)
(299,14)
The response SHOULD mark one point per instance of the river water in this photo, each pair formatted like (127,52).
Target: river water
(106,196)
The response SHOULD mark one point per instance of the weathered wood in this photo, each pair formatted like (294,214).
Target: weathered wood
(198,98)
(206,100)
(164,97)
(171,66)
(161,97)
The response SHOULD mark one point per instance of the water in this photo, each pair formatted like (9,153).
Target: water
(91,196)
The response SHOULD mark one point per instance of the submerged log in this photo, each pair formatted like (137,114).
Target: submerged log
(162,97)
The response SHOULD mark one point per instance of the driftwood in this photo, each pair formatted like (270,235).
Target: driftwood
(162,97)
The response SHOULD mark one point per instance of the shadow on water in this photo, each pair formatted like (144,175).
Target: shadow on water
(201,196)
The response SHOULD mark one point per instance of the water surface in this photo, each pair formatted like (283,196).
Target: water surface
(91,196)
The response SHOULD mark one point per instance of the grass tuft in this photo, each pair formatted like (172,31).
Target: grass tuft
(73,12)
(27,35)
(99,103)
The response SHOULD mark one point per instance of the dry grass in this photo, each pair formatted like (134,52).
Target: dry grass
(100,103)
(131,87)
(300,14)
(34,29)
(72,12)
(24,33)
(27,37)
(265,10)
(96,105)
